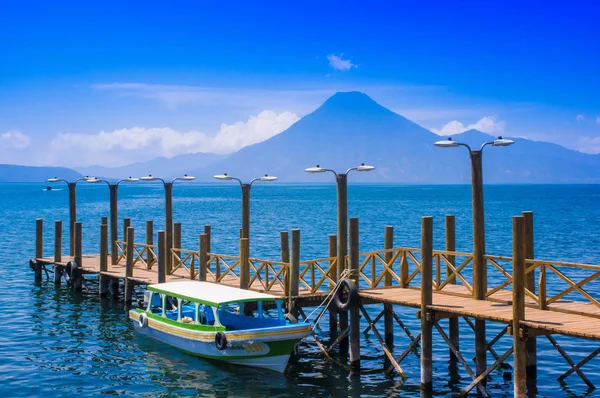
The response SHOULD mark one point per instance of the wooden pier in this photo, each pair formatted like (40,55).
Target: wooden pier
(438,284)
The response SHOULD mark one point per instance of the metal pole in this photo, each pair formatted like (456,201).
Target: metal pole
(342,245)
(479,267)
(72,217)
(426,300)
(169,225)
(354,311)
(114,223)
(246,211)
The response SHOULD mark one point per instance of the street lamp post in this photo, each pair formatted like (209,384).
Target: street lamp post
(114,225)
(479,267)
(72,208)
(168,212)
(342,233)
(245,198)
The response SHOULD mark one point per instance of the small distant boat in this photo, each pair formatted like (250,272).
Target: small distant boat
(49,188)
(220,322)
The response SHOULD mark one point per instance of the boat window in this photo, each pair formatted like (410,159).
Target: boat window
(155,304)
(206,315)
(250,315)
(171,310)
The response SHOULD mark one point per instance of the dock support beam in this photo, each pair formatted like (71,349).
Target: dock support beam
(203,257)
(294,273)
(354,310)
(39,246)
(162,257)
(388,317)
(103,259)
(426,300)
(519,335)
(333,313)
(57,251)
(129,266)
(450,247)
(244,263)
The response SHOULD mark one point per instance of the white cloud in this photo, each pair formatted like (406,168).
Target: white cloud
(487,124)
(588,144)
(579,117)
(128,145)
(14,139)
(337,63)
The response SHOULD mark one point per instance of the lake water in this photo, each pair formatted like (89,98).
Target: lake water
(53,342)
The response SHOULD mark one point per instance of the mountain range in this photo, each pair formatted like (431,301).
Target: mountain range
(350,128)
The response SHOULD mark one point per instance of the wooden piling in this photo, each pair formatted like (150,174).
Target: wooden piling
(244,263)
(129,265)
(518,304)
(72,216)
(114,223)
(354,310)
(388,317)
(333,314)
(177,238)
(162,257)
(126,225)
(39,246)
(207,232)
(203,256)
(530,285)
(149,242)
(104,220)
(103,259)
(285,258)
(294,272)
(426,300)
(451,247)
(78,282)
(57,251)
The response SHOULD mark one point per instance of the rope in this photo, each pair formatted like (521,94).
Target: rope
(328,299)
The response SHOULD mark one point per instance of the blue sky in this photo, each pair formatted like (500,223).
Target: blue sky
(112,83)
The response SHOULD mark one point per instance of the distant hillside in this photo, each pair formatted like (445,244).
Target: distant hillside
(350,128)
(14,173)
(163,167)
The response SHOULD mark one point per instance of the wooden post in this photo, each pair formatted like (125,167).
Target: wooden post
(285,257)
(78,282)
(162,257)
(207,232)
(388,317)
(354,311)
(519,343)
(177,239)
(203,256)
(57,251)
(451,247)
(530,285)
(126,225)
(333,314)
(246,210)
(114,223)
(104,220)
(72,217)
(294,272)
(129,265)
(39,246)
(169,225)
(149,242)
(244,263)
(426,300)
(103,259)
(342,245)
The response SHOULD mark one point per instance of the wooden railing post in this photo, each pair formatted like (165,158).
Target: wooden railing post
(78,282)
(388,317)
(162,257)
(451,247)
(126,224)
(207,232)
(333,316)
(203,256)
(294,272)
(530,285)
(39,246)
(518,302)
(403,270)
(176,241)
(426,301)
(103,259)
(542,288)
(57,251)
(129,265)
(103,220)
(149,243)
(285,258)
(244,263)
(354,310)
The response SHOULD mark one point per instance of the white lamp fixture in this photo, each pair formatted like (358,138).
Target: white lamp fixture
(316,169)
(223,177)
(364,167)
(447,143)
(502,142)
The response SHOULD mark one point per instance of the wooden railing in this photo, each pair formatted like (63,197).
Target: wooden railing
(142,253)
(188,260)
(315,273)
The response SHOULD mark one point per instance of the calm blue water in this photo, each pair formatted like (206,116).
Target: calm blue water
(53,342)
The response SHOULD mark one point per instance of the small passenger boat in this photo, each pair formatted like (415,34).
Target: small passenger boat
(220,322)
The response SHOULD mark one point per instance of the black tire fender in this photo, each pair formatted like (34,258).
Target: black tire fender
(143,320)
(220,341)
(33,264)
(67,271)
(346,295)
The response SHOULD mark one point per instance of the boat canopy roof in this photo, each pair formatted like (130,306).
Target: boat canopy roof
(209,293)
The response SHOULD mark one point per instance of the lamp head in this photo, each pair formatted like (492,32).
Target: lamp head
(53,179)
(92,180)
(130,179)
(148,178)
(502,142)
(364,167)
(316,169)
(223,177)
(447,143)
(186,178)
(268,178)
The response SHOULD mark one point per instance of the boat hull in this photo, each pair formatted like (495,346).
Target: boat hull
(268,348)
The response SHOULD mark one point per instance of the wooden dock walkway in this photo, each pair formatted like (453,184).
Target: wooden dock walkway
(438,284)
